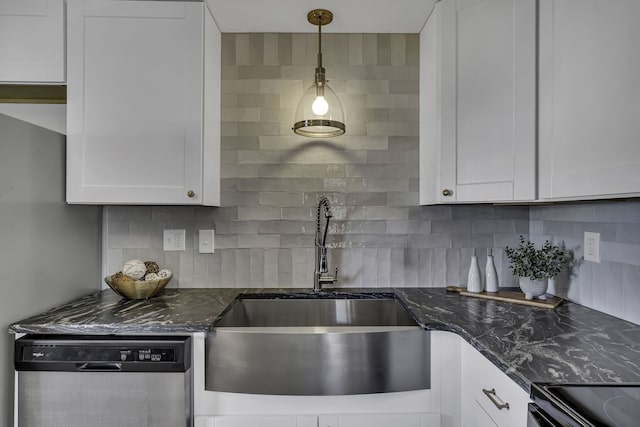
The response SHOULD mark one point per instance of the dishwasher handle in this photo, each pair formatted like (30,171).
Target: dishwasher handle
(99,366)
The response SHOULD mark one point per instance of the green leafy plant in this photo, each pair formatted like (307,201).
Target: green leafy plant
(536,264)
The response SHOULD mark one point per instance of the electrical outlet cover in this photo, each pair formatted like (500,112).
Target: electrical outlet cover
(173,240)
(591,246)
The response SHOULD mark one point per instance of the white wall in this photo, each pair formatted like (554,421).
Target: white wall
(49,251)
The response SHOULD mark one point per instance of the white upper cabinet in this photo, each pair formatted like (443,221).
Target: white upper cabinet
(143,118)
(32,41)
(589,99)
(477,102)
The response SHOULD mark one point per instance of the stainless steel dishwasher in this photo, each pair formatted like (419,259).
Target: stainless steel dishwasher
(100,381)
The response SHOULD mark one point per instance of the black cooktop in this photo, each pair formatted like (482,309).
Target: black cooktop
(599,405)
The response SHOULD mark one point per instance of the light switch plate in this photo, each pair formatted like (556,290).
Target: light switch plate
(173,240)
(591,246)
(206,242)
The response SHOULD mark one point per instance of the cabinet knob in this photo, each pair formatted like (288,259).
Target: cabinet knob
(446,192)
(191,193)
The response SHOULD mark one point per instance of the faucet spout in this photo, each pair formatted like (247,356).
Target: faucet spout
(320,275)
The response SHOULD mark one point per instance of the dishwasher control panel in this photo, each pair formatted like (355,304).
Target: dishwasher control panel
(97,354)
(68,353)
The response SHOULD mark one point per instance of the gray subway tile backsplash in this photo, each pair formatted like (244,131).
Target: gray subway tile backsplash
(613,284)
(272,179)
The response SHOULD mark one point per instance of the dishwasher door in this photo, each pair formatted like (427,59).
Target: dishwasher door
(68,381)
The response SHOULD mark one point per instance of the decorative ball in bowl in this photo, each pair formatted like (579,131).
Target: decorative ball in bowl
(139,280)
(130,288)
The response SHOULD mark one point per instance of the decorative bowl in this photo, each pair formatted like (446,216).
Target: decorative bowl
(136,289)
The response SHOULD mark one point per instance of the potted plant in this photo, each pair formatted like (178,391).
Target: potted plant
(534,267)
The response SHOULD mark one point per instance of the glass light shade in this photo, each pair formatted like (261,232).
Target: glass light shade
(310,122)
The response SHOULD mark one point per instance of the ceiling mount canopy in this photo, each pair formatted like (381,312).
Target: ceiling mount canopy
(319,113)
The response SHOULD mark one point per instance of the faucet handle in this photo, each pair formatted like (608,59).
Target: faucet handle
(324,267)
(327,279)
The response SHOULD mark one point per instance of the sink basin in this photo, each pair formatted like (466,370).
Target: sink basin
(317,346)
(316,313)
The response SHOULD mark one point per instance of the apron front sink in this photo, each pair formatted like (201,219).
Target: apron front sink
(317,346)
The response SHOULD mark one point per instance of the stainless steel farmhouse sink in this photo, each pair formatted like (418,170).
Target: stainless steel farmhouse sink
(317,346)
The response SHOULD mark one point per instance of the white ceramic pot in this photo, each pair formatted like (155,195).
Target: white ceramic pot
(533,288)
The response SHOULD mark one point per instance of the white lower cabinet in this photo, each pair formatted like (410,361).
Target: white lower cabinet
(257,421)
(459,373)
(435,407)
(379,420)
(486,391)
(344,420)
(478,416)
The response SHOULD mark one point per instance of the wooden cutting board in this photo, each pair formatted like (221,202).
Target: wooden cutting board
(514,297)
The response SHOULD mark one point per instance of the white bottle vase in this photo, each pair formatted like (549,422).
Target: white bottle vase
(474,281)
(491,284)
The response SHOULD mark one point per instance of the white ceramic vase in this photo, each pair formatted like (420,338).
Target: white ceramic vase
(533,288)
(474,282)
(491,282)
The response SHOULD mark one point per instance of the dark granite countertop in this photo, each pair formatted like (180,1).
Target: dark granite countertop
(569,344)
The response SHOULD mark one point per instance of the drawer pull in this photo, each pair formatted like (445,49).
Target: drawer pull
(491,394)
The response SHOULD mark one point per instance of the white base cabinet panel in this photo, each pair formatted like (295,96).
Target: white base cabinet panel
(478,416)
(458,374)
(589,99)
(482,385)
(380,420)
(32,41)
(477,102)
(349,420)
(257,421)
(439,405)
(143,103)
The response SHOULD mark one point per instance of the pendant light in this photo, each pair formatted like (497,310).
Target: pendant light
(319,113)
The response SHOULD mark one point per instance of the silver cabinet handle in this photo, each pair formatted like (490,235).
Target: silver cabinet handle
(447,193)
(491,394)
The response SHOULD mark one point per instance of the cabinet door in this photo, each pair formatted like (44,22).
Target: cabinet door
(135,102)
(432,84)
(258,421)
(484,387)
(379,420)
(478,101)
(589,99)
(32,41)
(478,417)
